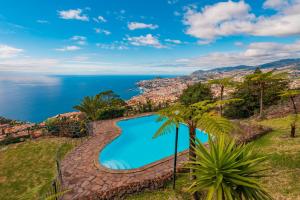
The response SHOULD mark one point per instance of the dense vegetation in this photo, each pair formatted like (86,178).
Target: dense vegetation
(257,88)
(196,93)
(105,105)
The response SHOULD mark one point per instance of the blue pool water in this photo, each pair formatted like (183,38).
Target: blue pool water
(135,147)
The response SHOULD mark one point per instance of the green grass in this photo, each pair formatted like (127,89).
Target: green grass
(27,169)
(283,178)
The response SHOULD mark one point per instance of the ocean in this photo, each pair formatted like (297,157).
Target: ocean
(34,98)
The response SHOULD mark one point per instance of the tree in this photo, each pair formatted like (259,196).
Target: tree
(105,105)
(90,106)
(227,170)
(263,80)
(171,118)
(222,83)
(291,94)
(249,92)
(199,115)
(195,93)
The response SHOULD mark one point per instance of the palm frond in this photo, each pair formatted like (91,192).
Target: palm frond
(165,128)
(214,124)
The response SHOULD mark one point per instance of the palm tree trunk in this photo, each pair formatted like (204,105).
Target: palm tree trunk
(261,102)
(294,105)
(293,129)
(221,98)
(293,124)
(192,154)
(175,158)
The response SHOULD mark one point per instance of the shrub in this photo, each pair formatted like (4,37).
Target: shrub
(105,105)
(196,93)
(66,127)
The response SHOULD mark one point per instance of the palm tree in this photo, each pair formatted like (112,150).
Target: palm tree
(263,80)
(226,170)
(291,94)
(222,83)
(171,117)
(104,105)
(199,115)
(90,106)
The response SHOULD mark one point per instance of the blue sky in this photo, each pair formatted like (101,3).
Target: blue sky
(144,37)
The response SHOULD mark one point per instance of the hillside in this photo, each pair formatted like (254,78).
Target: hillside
(285,63)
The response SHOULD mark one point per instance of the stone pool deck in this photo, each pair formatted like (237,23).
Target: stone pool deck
(87,179)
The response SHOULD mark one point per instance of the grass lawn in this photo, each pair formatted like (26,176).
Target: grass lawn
(284,159)
(27,169)
(283,181)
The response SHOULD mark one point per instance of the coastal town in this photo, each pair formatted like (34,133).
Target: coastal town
(169,89)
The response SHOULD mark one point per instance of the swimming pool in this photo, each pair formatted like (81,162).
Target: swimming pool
(136,148)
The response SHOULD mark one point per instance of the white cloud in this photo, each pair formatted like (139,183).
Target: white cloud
(173,41)
(275,4)
(254,54)
(234,18)
(41,21)
(172,1)
(73,14)
(8,51)
(138,25)
(176,13)
(105,32)
(25,64)
(239,44)
(113,46)
(28,79)
(147,40)
(80,40)
(69,48)
(100,19)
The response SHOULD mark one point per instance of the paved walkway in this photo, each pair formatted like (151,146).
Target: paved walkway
(87,179)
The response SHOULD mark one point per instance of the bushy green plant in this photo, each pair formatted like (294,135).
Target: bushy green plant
(258,90)
(105,105)
(195,93)
(63,126)
(226,170)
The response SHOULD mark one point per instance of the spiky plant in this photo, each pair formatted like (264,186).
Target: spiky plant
(226,170)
